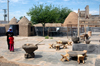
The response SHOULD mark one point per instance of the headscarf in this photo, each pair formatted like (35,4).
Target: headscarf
(10,29)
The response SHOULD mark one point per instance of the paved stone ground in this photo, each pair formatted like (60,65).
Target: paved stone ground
(44,56)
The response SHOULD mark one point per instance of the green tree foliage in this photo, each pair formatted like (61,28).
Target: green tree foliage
(47,14)
(43,14)
(64,12)
(20,17)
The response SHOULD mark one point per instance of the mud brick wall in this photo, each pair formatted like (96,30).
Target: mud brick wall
(31,31)
(23,30)
(26,30)
(6,27)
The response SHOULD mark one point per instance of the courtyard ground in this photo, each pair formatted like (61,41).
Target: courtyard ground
(43,56)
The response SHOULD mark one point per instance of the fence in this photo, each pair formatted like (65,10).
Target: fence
(57,31)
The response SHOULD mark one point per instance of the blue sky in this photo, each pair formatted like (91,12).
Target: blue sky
(19,8)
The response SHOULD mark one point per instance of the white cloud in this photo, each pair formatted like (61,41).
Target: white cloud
(1,16)
(94,12)
(75,11)
(3,1)
(36,0)
(97,0)
(66,0)
(18,14)
(23,2)
(14,0)
(50,1)
(1,10)
(41,2)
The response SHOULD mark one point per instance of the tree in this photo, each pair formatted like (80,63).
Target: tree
(47,14)
(64,12)
(20,17)
(43,14)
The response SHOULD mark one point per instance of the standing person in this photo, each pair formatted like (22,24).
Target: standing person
(11,42)
(9,32)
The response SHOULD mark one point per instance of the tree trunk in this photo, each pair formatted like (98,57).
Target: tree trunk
(48,31)
(43,24)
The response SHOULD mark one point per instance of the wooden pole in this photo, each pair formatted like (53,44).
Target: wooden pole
(85,27)
(71,30)
(67,31)
(78,27)
(8,10)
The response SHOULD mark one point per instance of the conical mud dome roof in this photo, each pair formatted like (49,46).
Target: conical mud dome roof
(13,21)
(24,21)
(71,19)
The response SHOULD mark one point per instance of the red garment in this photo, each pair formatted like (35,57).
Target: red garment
(11,40)
(11,47)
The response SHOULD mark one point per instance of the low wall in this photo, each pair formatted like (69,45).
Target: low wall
(91,48)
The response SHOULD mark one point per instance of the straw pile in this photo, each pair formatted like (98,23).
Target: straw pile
(24,21)
(13,21)
(71,19)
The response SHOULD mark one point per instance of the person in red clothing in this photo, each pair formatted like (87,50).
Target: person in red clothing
(11,42)
(9,32)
